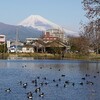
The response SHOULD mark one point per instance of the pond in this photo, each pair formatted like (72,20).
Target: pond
(49,79)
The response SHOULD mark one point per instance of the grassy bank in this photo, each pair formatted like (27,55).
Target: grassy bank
(4,55)
(35,55)
(57,56)
(84,57)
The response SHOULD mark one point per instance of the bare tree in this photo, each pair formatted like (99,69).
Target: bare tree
(79,44)
(92,29)
(92,8)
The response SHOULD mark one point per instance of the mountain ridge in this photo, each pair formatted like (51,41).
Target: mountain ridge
(33,26)
(23,32)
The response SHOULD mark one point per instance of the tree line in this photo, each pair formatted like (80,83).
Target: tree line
(89,38)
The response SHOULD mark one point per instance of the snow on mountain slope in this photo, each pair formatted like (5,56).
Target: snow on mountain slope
(42,24)
(38,22)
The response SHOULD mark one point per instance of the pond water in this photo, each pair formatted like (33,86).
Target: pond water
(56,79)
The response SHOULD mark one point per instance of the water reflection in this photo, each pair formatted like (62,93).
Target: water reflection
(89,67)
(49,80)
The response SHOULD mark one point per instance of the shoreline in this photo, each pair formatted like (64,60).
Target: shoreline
(67,56)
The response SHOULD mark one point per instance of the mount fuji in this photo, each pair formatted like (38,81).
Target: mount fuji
(38,22)
(42,24)
(33,26)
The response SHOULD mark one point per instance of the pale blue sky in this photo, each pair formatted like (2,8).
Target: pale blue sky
(68,13)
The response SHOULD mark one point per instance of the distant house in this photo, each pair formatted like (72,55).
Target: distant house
(39,45)
(2,39)
(27,49)
(13,49)
(58,44)
(16,46)
(30,40)
(18,43)
(53,34)
(42,46)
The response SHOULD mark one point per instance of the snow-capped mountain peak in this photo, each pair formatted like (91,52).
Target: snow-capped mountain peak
(42,24)
(38,22)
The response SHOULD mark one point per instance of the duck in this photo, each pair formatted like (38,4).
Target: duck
(25,85)
(46,83)
(41,83)
(98,72)
(59,79)
(40,67)
(57,85)
(8,90)
(33,81)
(54,80)
(29,95)
(38,77)
(44,78)
(81,83)
(67,82)
(64,85)
(87,75)
(20,82)
(62,75)
(37,89)
(41,95)
(83,78)
(90,83)
(73,84)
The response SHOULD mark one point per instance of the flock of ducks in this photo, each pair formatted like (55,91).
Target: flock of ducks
(39,82)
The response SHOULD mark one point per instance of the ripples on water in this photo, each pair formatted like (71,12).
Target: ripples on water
(57,79)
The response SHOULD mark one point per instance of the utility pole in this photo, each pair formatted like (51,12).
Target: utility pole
(16,40)
(4,46)
(8,45)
